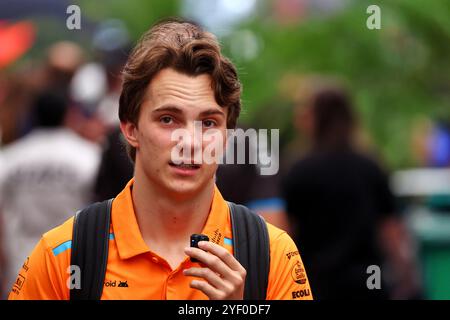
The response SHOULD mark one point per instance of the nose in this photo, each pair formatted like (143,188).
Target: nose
(195,141)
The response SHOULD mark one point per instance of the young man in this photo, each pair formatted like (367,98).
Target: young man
(175,77)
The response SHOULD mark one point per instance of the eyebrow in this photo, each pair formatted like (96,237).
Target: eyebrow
(211,112)
(172,109)
(177,110)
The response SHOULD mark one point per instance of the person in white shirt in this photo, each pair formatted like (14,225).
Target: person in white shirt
(44,177)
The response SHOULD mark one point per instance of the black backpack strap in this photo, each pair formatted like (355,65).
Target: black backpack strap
(252,249)
(90,242)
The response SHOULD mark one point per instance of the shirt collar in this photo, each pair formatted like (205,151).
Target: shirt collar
(128,236)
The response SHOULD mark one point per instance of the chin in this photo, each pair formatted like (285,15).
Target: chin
(184,188)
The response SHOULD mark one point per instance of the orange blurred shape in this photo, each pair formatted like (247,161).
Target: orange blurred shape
(15,40)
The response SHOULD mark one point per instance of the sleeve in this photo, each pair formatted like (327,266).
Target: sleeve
(40,278)
(287,276)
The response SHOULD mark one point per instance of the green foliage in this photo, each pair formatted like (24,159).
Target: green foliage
(394,74)
(138,15)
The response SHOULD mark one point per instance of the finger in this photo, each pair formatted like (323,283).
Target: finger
(222,253)
(207,274)
(207,289)
(211,261)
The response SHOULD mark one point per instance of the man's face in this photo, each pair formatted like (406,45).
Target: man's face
(174,101)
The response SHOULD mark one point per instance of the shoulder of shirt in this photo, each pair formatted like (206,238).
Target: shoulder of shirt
(277,236)
(57,135)
(75,138)
(59,235)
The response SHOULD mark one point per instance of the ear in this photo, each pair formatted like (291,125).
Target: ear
(130,132)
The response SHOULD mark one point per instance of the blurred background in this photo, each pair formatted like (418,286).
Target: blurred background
(61,148)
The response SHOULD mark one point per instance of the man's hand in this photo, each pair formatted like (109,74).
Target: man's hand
(224,275)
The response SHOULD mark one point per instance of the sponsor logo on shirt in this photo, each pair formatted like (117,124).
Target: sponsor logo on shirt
(25,264)
(18,284)
(298,273)
(300,293)
(114,284)
(289,255)
(216,237)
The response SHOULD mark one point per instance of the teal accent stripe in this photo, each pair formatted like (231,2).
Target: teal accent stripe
(68,244)
(228,241)
(62,247)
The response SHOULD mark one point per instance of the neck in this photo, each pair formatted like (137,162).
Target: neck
(164,219)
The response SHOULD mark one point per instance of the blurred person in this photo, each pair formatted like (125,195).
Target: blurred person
(115,168)
(87,123)
(87,89)
(44,177)
(430,142)
(175,76)
(56,70)
(63,60)
(112,44)
(343,212)
(54,73)
(20,86)
(258,192)
(439,144)
(14,96)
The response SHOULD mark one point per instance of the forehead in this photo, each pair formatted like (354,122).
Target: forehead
(184,91)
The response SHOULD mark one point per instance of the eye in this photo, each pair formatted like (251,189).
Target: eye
(209,123)
(166,119)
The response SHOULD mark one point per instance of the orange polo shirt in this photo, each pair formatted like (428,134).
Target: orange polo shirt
(135,272)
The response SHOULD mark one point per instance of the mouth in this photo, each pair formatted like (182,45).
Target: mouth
(185,166)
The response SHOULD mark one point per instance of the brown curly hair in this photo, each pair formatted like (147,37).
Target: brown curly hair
(187,48)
